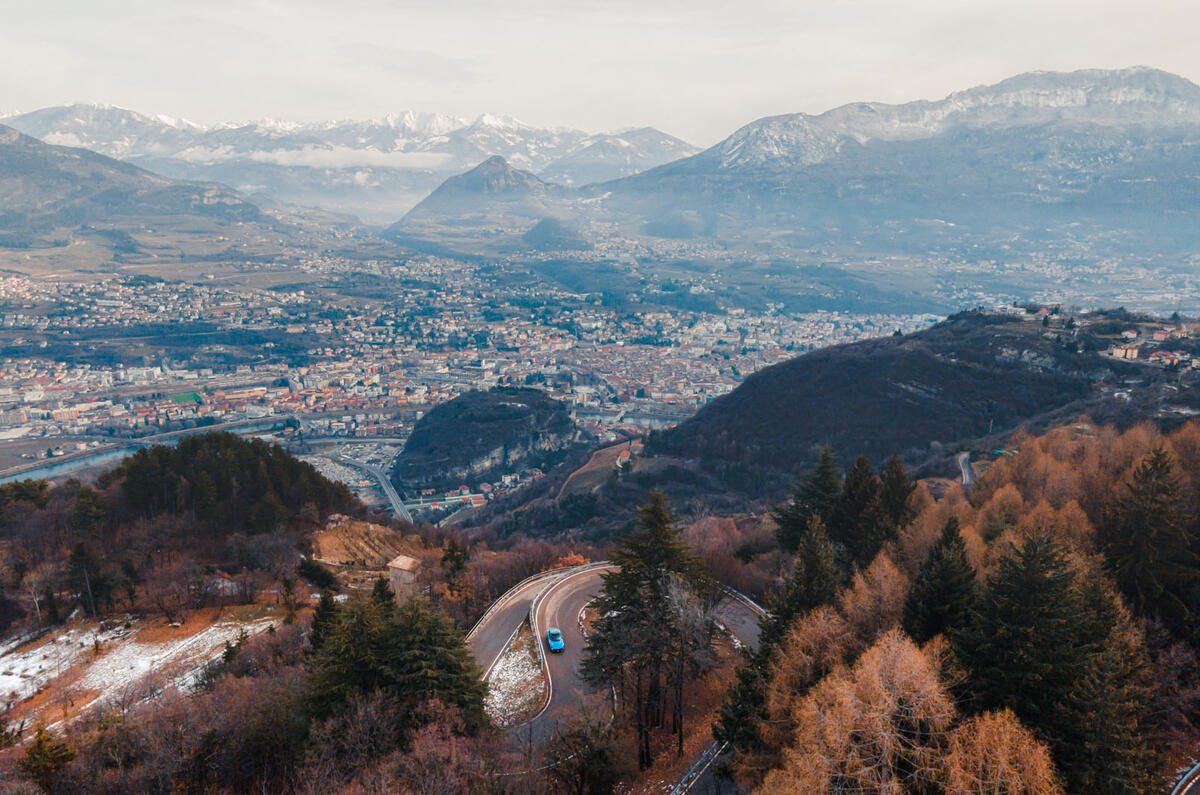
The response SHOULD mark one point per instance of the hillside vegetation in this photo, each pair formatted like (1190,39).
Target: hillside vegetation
(972,376)
(964,384)
(157,533)
(1036,635)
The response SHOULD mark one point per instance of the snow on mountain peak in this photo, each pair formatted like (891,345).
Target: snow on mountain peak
(498,122)
(1120,97)
(409,121)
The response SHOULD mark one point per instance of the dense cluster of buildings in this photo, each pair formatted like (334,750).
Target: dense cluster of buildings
(334,367)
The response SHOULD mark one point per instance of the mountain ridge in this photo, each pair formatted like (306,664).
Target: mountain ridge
(377,168)
(1074,90)
(1086,165)
(72,209)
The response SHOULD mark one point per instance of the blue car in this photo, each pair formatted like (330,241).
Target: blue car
(554,639)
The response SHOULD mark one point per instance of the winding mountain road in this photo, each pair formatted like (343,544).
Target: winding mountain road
(559,606)
(556,599)
(490,636)
(1189,783)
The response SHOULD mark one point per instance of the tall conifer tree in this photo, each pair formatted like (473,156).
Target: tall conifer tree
(895,489)
(1149,549)
(325,616)
(943,593)
(814,582)
(816,493)
(860,524)
(1041,645)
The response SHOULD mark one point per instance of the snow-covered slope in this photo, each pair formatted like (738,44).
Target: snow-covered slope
(603,157)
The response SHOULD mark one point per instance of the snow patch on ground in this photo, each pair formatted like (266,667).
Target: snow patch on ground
(124,666)
(737,644)
(25,671)
(516,685)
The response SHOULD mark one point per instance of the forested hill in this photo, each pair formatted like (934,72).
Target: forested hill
(227,484)
(972,376)
(157,527)
(480,435)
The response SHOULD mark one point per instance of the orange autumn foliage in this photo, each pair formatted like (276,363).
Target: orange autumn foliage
(870,728)
(887,725)
(993,754)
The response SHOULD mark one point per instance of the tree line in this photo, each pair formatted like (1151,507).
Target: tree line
(170,529)
(1045,622)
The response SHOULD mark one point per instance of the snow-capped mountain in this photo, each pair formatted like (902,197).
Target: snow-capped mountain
(377,168)
(600,158)
(1125,97)
(1095,160)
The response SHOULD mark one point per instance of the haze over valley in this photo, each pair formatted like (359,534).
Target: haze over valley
(801,399)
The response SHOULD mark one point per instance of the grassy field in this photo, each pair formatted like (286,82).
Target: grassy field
(597,470)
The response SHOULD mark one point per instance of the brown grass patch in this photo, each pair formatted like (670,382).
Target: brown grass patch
(349,542)
(597,470)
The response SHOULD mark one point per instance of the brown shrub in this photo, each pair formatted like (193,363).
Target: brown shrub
(993,754)
(874,602)
(872,728)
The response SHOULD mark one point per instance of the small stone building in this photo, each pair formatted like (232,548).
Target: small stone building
(402,575)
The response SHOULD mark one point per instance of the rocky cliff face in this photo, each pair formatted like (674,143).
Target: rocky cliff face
(480,436)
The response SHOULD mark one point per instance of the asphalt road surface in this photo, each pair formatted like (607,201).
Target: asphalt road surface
(968,474)
(560,607)
(564,599)
(563,596)
(490,638)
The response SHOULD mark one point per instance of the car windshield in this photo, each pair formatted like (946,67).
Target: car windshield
(555,634)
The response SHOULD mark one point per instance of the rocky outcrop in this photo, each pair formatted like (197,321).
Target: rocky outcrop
(480,436)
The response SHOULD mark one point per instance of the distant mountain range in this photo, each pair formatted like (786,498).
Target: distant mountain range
(64,208)
(1090,162)
(375,169)
(1080,186)
(47,186)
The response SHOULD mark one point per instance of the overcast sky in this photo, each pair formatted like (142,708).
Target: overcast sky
(695,68)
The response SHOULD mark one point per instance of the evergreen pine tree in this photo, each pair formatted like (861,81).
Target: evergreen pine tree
(426,658)
(44,758)
(816,493)
(652,554)
(350,660)
(1114,750)
(1021,646)
(625,649)
(943,593)
(1041,646)
(895,488)
(859,524)
(382,593)
(814,582)
(1149,549)
(325,616)
(88,513)
(744,708)
(413,652)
